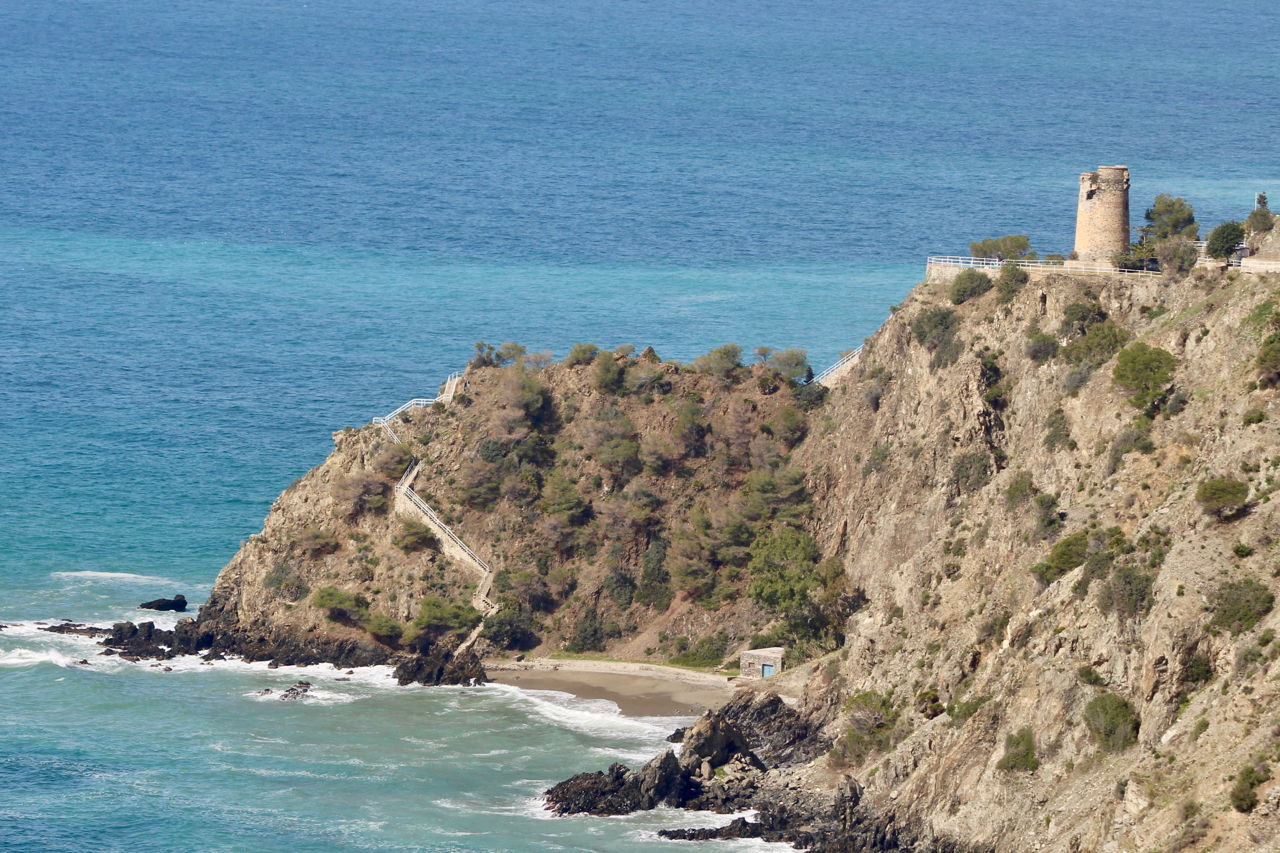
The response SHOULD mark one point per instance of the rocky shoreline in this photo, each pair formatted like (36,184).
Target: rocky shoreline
(735,759)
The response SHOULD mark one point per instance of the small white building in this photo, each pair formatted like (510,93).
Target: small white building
(761,663)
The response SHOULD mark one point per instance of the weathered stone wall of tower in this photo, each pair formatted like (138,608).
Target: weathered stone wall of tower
(1102,217)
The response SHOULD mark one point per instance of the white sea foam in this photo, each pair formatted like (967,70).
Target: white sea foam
(590,716)
(112,577)
(34,657)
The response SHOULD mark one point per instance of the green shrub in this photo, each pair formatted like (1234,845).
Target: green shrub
(512,627)
(1222,497)
(581,354)
(722,361)
(707,652)
(1021,488)
(383,627)
(1012,247)
(1012,279)
(1260,221)
(959,711)
(414,536)
(873,719)
(789,427)
(316,540)
(1199,669)
(1112,721)
(561,497)
(588,634)
(935,328)
(1254,416)
(621,588)
(607,375)
(1048,517)
(342,606)
(1090,676)
(1241,550)
(971,471)
(1079,316)
(969,284)
(1059,431)
(359,493)
(1268,361)
(1041,347)
(1176,256)
(1128,591)
(791,364)
(1224,239)
(810,396)
(1239,605)
(994,628)
(1145,372)
(437,617)
(1064,557)
(1019,752)
(1244,793)
(876,459)
(1102,341)
(654,589)
(392,460)
(285,582)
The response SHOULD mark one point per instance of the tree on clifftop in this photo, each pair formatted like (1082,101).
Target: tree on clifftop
(1013,247)
(1170,217)
(1224,239)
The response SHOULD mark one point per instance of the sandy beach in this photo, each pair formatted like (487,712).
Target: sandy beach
(638,689)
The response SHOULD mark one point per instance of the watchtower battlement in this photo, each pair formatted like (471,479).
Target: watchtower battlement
(1102,216)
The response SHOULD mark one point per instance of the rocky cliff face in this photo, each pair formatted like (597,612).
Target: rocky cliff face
(1026,544)
(943,486)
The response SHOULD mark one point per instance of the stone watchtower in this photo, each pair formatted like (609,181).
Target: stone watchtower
(1102,218)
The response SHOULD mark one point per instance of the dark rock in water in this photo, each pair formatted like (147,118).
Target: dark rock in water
(77,629)
(438,664)
(177,603)
(429,663)
(296,692)
(678,735)
(619,790)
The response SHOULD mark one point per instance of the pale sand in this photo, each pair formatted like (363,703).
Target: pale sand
(638,689)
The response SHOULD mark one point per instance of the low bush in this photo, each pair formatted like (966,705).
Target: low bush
(316,540)
(654,589)
(342,606)
(960,711)
(1058,430)
(722,361)
(588,634)
(1199,669)
(383,627)
(437,617)
(1021,488)
(414,536)
(359,493)
(1260,221)
(1239,605)
(512,627)
(971,471)
(1063,557)
(1113,722)
(1127,592)
(876,459)
(581,354)
(1222,497)
(873,719)
(1041,347)
(1145,372)
(969,284)
(1254,416)
(1019,752)
(707,652)
(1049,518)
(392,460)
(1176,256)
(935,329)
(1244,793)
(285,582)
(1012,279)
(1102,341)
(608,374)
(1090,676)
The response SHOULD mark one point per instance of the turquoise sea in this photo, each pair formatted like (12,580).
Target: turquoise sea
(230,228)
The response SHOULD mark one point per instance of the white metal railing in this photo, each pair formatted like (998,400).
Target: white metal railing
(403,488)
(848,357)
(450,389)
(996,263)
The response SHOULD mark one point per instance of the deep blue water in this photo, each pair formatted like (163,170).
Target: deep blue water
(230,228)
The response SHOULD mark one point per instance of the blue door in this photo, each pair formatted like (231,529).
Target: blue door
(766,669)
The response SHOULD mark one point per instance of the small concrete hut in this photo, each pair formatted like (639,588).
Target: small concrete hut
(761,663)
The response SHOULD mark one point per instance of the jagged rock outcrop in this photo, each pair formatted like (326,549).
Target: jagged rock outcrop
(178,604)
